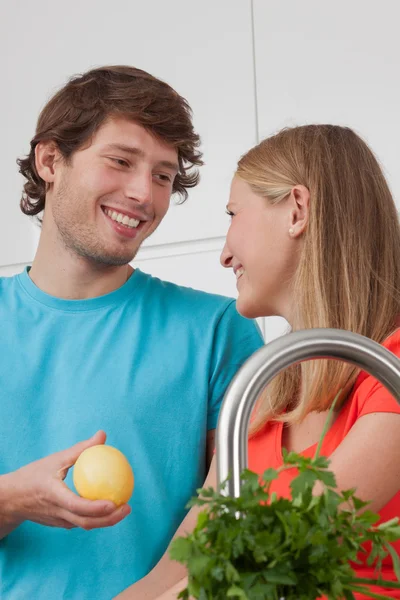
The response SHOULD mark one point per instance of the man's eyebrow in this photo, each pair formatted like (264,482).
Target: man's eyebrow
(173,166)
(169,165)
(125,148)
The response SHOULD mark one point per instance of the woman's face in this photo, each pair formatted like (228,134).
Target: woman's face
(262,247)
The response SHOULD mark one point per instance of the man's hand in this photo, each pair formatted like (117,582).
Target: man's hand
(37,493)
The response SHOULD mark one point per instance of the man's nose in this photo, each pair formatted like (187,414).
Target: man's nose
(226,257)
(139,188)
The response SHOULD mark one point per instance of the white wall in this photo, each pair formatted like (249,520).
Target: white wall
(331,62)
(247,67)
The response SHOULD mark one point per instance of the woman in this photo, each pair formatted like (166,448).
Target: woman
(315,238)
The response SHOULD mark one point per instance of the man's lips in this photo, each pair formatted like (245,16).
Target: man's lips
(130,232)
(129,213)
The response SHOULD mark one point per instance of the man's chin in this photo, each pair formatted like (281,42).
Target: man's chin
(113,261)
(107,259)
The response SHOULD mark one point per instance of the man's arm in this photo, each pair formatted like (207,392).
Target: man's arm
(167,574)
(7,523)
(172,593)
(236,338)
(210,448)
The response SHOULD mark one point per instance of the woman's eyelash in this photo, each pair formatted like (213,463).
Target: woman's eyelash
(229,212)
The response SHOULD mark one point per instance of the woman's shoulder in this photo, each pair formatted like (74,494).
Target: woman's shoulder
(392,342)
(369,395)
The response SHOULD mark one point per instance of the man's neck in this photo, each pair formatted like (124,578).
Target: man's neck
(73,277)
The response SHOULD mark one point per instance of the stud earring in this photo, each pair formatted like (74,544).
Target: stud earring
(291,231)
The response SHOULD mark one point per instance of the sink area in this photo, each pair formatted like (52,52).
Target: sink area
(266,363)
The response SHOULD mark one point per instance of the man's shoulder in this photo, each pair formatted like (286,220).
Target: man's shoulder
(188,313)
(9,299)
(7,282)
(186,296)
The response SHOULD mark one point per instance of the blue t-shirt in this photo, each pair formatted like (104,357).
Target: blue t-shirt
(148,363)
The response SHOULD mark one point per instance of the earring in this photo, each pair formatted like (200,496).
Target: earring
(291,231)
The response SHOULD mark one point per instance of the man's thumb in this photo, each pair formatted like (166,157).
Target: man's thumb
(71,455)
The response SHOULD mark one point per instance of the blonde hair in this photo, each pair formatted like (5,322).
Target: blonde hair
(348,276)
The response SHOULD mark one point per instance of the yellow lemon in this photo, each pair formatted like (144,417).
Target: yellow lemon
(103,473)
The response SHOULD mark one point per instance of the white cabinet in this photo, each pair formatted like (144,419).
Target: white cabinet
(331,62)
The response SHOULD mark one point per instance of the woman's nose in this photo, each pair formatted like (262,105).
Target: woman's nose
(226,257)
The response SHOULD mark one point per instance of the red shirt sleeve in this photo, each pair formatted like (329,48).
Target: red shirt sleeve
(371,396)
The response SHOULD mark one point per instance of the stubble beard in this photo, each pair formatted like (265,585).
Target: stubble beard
(97,255)
(82,239)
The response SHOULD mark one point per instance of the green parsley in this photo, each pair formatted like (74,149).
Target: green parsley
(259,547)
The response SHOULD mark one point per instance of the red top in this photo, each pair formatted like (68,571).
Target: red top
(368,396)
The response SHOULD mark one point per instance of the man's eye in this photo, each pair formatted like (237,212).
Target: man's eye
(164,178)
(121,162)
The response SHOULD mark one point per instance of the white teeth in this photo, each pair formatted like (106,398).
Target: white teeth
(121,218)
(239,272)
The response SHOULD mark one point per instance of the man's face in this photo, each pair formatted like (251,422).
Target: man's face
(112,194)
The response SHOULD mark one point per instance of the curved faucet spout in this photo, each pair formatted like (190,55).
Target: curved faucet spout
(259,369)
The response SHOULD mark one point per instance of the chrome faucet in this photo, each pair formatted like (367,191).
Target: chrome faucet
(259,369)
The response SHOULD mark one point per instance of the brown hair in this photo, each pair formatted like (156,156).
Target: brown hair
(74,114)
(349,271)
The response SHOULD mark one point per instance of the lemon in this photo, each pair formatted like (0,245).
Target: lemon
(103,473)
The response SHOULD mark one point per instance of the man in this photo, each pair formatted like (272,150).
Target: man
(90,345)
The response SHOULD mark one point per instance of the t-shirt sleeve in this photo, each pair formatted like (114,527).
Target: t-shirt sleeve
(378,399)
(372,395)
(236,339)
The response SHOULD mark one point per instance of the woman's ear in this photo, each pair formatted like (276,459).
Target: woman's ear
(299,213)
(46,156)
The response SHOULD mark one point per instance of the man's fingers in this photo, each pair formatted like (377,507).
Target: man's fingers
(96,522)
(70,456)
(67,500)
(62,523)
